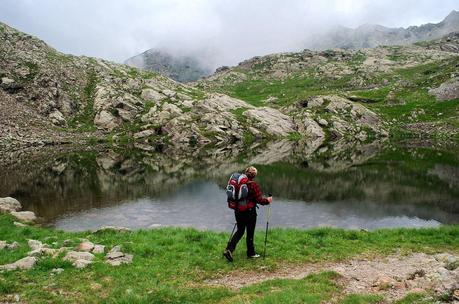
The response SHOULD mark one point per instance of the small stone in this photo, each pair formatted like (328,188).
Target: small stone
(322,122)
(98,249)
(25,216)
(66,242)
(57,270)
(18,224)
(456,294)
(3,244)
(86,246)
(384,283)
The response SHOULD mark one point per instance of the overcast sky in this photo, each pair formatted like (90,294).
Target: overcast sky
(229,30)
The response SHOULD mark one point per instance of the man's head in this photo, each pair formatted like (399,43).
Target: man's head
(251,172)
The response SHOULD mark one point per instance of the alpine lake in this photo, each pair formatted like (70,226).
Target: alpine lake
(352,186)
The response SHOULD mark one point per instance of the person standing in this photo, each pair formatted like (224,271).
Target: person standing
(247,219)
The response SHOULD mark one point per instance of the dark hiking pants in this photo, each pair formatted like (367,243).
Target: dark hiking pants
(245,220)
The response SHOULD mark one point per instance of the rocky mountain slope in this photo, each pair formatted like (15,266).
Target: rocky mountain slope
(371,35)
(410,87)
(179,68)
(91,98)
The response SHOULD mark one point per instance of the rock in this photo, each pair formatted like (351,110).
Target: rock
(115,257)
(81,263)
(57,118)
(12,246)
(105,120)
(23,264)
(79,259)
(34,244)
(446,91)
(98,249)
(25,216)
(9,204)
(143,134)
(67,242)
(446,258)
(126,259)
(322,122)
(3,245)
(6,80)
(116,248)
(86,246)
(57,270)
(384,283)
(18,224)
(271,120)
(152,95)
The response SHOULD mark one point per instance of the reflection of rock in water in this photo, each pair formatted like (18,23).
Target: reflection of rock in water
(446,173)
(54,182)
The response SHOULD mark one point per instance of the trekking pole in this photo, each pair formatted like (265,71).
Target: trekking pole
(268,215)
(232,232)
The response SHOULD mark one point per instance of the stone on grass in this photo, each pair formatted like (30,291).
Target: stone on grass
(3,244)
(86,246)
(9,204)
(98,248)
(57,270)
(18,224)
(34,244)
(24,264)
(115,257)
(25,216)
(79,259)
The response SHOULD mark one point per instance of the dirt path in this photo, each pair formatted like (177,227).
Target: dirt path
(393,276)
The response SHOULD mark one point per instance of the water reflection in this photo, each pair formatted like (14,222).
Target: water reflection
(350,185)
(200,205)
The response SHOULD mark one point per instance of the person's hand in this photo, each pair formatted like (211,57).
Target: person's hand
(270,199)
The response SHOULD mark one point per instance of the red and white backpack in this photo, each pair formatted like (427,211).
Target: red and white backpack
(237,191)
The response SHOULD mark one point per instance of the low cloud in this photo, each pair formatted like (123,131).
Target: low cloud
(223,32)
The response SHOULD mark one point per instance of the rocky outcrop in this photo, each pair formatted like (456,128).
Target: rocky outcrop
(446,91)
(271,121)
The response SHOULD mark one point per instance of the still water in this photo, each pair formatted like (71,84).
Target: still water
(362,187)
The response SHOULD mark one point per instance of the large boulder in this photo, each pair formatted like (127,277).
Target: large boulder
(105,120)
(22,264)
(25,216)
(270,120)
(447,90)
(9,204)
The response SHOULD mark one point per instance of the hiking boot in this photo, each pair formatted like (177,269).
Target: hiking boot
(227,254)
(254,256)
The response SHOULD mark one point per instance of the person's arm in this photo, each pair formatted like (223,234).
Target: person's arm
(258,195)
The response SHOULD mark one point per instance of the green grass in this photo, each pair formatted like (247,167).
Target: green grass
(84,120)
(171,264)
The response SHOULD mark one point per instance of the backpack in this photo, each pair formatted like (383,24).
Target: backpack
(237,191)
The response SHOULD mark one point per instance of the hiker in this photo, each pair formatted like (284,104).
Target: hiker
(247,218)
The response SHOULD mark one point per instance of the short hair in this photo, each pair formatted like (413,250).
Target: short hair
(251,172)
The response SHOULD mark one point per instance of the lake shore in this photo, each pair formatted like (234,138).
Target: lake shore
(177,265)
